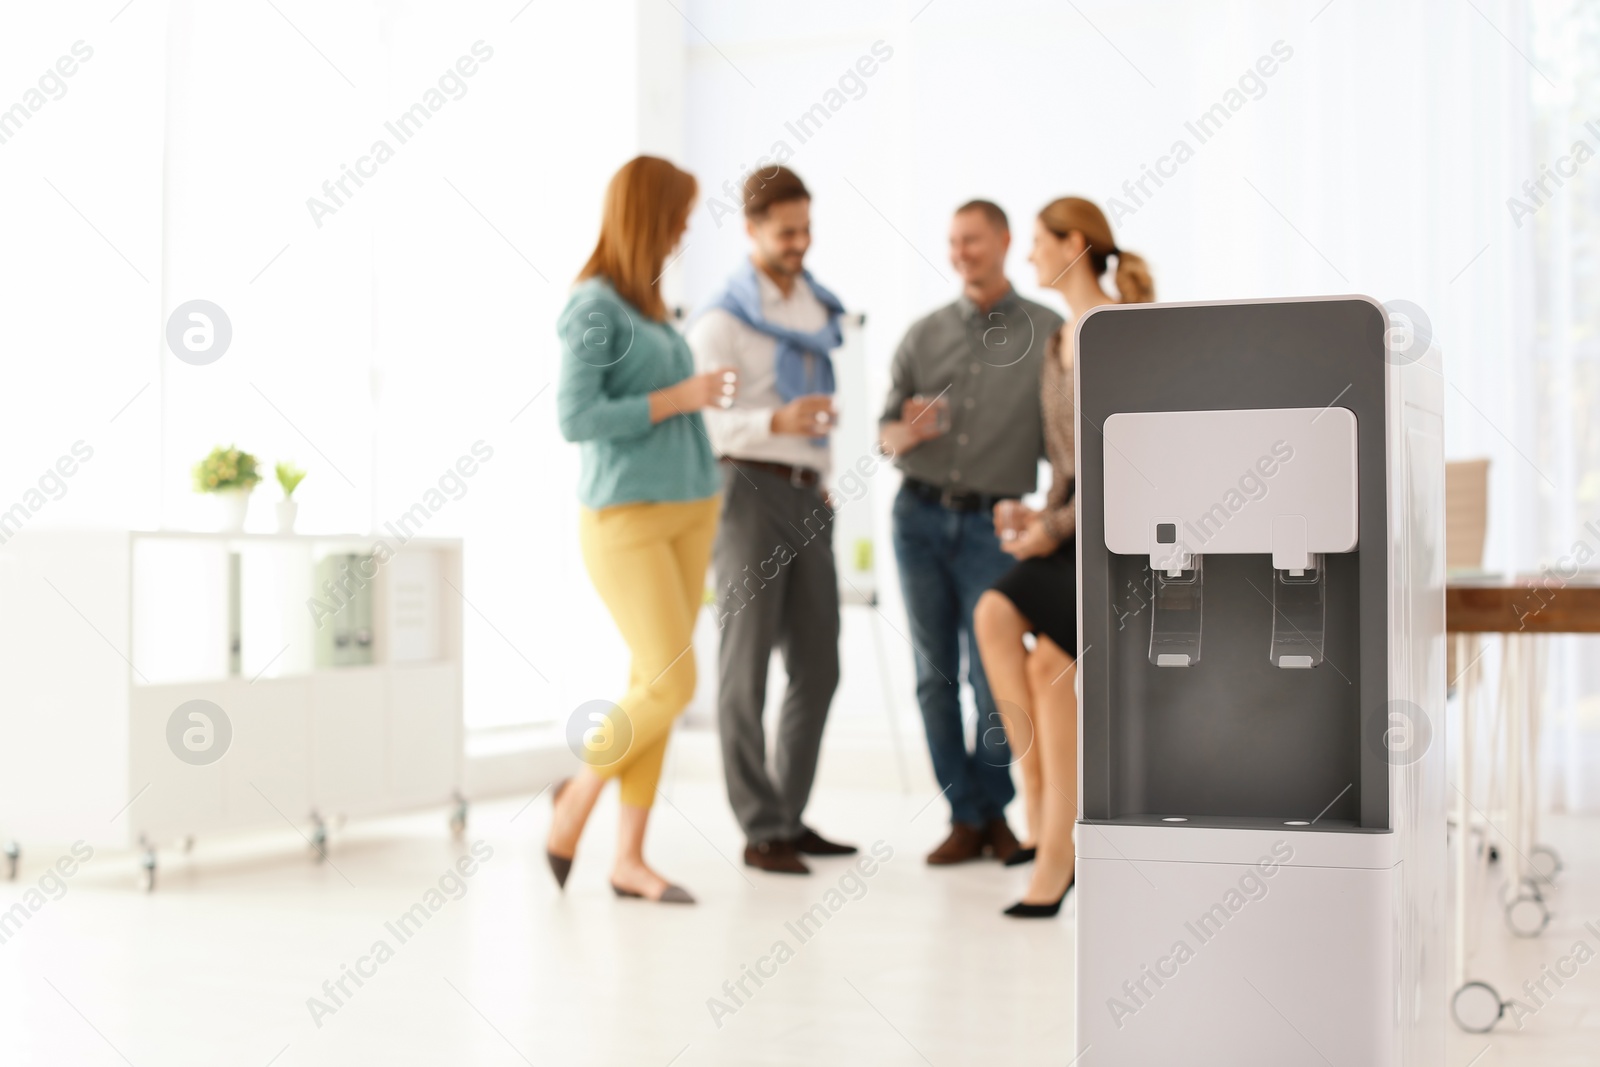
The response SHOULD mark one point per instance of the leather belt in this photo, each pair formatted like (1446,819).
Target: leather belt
(799,477)
(964,500)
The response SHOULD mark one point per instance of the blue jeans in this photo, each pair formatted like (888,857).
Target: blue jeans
(947,560)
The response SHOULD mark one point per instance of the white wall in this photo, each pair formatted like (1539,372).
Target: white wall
(463,322)
(375,348)
(80,275)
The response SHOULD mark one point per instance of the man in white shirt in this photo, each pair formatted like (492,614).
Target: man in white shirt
(777,588)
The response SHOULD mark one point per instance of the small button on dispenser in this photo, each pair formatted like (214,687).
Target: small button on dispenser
(1167,553)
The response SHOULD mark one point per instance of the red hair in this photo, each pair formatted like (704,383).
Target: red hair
(646,207)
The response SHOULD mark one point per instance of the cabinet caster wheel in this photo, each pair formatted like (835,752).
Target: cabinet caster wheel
(1522,888)
(1547,862)
(13,854)
(1527,916)
(319,838)
(147,869)
(1494,854)
(1477,1007)
(458,816)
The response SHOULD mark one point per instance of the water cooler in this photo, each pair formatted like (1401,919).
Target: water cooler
(1261,836)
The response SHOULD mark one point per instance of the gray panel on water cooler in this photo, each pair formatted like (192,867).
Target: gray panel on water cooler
(1233,735)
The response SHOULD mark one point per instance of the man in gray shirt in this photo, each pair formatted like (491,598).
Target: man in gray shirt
(963,422)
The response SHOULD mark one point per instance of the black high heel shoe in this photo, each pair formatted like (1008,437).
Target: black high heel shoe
(1021,910)
(560,866)
(1021,856)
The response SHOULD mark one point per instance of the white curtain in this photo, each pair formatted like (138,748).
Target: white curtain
(1560,366)
(1377,156)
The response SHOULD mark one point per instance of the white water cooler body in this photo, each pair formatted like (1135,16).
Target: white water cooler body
(1261,844)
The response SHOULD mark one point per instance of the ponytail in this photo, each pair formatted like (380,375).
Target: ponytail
(1134,284)
(1073,213)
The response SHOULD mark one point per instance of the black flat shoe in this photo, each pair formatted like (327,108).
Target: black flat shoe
(673,894)
(1021,856)
(560,866)
(1021,910)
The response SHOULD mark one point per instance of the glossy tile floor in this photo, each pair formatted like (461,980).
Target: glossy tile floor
(1560,1026)
(912,966)
(218,964)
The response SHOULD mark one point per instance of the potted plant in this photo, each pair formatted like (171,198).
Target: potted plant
(289,477)
(231,475)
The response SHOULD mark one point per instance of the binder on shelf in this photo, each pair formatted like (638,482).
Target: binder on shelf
(344,636)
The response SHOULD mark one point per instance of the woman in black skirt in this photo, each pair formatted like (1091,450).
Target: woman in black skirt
(1034,687)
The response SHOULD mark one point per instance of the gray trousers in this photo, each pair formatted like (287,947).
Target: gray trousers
(776,588)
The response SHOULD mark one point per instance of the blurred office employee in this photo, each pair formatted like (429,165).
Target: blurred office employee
(963,422)
(648,484)
(777,328)
(1072,250)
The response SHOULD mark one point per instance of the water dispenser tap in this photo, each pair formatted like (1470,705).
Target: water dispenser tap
(1176,615)
(1299,614)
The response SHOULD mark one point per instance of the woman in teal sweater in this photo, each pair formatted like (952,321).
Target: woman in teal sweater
(629,396)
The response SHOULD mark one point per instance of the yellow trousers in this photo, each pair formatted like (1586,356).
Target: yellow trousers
(648,562)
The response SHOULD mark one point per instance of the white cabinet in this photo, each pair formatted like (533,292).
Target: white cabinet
(422,737)
(267,770)
(349,737)
(169,798)
(105,636)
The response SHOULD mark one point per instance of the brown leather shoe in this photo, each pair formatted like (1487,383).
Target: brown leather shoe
(1003,844)
(776,857)
(812,843)
(964,843)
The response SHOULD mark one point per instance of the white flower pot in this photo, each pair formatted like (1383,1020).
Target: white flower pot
(287,509)
(234,504)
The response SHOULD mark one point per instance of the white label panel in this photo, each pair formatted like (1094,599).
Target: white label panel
(1264,480)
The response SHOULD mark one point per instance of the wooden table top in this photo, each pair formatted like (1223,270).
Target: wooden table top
(1542,603)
